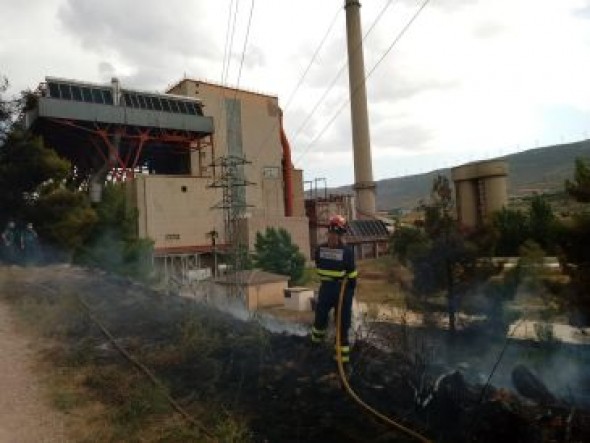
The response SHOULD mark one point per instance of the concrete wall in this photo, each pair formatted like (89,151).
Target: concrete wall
(259,132)
(265,294)
(175,211)
(260,144)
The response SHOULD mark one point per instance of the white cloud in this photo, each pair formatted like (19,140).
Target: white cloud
(470,77)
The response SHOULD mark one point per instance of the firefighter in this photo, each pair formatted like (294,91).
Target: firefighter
(29,244)
(9,240)
(334,263)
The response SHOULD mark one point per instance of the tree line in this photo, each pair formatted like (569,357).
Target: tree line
(446,258)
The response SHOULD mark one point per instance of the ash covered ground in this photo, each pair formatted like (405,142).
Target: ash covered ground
(288,391)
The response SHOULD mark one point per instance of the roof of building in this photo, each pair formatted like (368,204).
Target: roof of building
(221,85)
(367,228)
(83,83)
(251,277)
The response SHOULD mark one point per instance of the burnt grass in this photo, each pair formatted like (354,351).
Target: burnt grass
(278,385)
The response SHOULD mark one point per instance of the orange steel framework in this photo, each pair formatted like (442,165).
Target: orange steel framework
(136,138)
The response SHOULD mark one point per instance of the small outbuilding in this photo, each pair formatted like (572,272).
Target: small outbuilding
(261,289)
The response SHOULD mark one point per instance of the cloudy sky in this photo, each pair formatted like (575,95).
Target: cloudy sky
(470,79)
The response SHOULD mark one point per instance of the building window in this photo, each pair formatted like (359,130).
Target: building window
(77,93)
(65,92)
(270,172)
(157,104)
(53,90)
(97,96)
(107,97)
(166,105)
(183,188)
(87,95)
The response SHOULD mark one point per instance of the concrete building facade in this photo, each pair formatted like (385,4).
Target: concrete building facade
(481,190)
(248,125)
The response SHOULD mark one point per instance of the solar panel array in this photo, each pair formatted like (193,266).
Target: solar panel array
(130,99)
(367,228)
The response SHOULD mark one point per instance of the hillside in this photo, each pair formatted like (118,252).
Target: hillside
(535,170)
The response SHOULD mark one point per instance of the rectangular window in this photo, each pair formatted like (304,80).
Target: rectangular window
(53,90)
(97,96)
(157,104)
(76,93)
(174,106)
(134,101)
(86,95)
(166,105)
(141,100)
(182,107)
(107,95)
(270,172)
(150,102)
(192,109)
(127,100)
(65,92)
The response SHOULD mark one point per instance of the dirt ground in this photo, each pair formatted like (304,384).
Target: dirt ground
(25,416)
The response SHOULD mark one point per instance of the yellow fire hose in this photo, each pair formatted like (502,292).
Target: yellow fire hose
(349,390)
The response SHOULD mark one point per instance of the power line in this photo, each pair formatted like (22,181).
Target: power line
(231,43)
(371,71)
(227,32)
(225,69)
(340,71)
(244,47)
(299,82)
(313,58)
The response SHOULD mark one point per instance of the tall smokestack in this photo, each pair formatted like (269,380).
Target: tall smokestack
(364,185)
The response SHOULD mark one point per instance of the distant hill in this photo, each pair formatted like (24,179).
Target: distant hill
(535,170)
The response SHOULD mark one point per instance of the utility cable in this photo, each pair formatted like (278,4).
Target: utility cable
(244,47)
(231,42)
(225,47)
(339,73)
(347,387)
(371,71)
(299,82)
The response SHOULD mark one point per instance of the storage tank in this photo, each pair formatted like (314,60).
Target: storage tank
(480,190)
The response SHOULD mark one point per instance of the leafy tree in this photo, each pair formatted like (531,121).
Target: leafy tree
(579,189)
(64,220)
(26,166)
(573,242)
(112,242)
(440,256)
(514,227)
(408,243)
(8,109)
(542,223)
(276,252)
(513,230)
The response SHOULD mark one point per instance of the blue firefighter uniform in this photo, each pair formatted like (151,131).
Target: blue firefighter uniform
(333,264)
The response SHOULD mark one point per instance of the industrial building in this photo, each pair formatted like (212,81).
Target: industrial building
(369,237)
(480,190)
(248,125)
(169,150)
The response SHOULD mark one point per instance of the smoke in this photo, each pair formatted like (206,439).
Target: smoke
(219,298)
